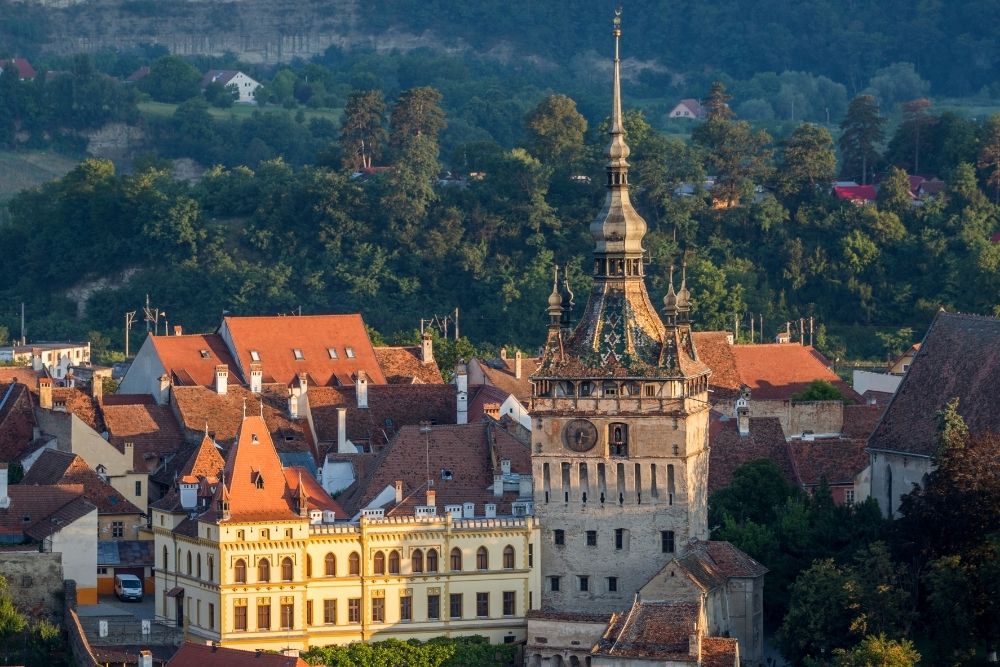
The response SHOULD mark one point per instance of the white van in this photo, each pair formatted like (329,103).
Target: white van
(128,587)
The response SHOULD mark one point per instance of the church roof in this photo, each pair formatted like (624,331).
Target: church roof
(652,630)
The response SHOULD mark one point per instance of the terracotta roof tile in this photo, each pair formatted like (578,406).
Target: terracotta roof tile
(152,429)
(838,460)
(32,508)
(778,371)
(959,358)
(403,365)
(275,339)
(199,655)
(719,652)
(715,350)
(660,630)
(501,373)
(55,467)
(860,420)
(483,396)
(191,359)
(253,474)
(79,403)
(17,421)
(729,450)
(21,374)
(390,407)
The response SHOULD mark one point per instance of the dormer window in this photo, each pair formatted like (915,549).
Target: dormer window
(350,352)
(258,480)
(205,354)
(254,439)
(332,352)
(298,354)
(254,355)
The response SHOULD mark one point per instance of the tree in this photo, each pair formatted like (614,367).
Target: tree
(898,82)
(820,614)
(819,390)
(171,79)
(894,194)
(362,132)
(808,160)
(878,651)
(915,127)
(863,131)
(416,113)
(756,493)
(716,103)
(12,622)
(555,130)
(989,155)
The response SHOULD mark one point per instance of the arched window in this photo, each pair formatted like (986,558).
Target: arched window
(508,557)
(309,566)
(379,567)
(432,560)
(394,562)
(456,560)
(330,565)
(211,567)
(618,439)
(263,570)
(286,569)
(197,563)
(240,571)
(417,561)
(166,565)
(188,562)
(482,559)
(354,564)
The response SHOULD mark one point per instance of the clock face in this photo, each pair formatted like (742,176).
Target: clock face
(580,435)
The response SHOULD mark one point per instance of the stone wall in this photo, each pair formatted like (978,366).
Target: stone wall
(35,580)
(795,417)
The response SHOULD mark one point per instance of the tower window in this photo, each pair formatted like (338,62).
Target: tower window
(612,584)
(584,582)
(554,584)
(591,538)
(618,439)
(667,541)
(559,537)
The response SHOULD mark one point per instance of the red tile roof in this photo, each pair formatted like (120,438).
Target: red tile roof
(152,429)
(404,365)
(79,403)
(201,655)
(855,192)
(659,630)
(23,67)
(54,467)
(838,460)
(778,371)
(191,359)
(501,373)
(719,652)
(276,338)
(17,421)
(22,374)
(729,450)
(714,348)
(33,508)
(959,358)
(860,420)
(483,395)
(390,407)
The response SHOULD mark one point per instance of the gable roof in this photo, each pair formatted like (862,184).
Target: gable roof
(23,67)
(729,450)
(778,371)
(152,429)
(659,630)
(838,460)
(37,512)
(855,192)
(79,403)
(711,564)
(719,652)
(483,395)
(223,76)
(390,407)
(275,339)
(501,373)
(715,349)
(959,358)
(17,421)
(191,359)
(199,655)
(55,467)
(405,365)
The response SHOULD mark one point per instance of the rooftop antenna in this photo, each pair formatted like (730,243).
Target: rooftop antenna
(425,428)
(129,321)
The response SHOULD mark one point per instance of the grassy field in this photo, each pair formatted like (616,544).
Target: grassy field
(26,169)
(240,111)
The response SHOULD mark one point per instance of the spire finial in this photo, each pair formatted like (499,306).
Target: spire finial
(618,150)
(555,301)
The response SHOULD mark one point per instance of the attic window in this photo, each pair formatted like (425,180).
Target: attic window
(446,474)
(388,423)
(254,355)
(298,354)
(258,480)
(332,352)
(204,354)
(350,352)
(253,439)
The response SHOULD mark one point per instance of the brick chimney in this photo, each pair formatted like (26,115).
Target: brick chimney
(462,393)
(45,393)
(503,353)
(256,377)
(517,365)
(743,420)
(4,498)
(221,379)
(361,387)
(431,498)
(97,387)
(178,330)
(426,348)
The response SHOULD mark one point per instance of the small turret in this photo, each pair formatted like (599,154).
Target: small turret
(555,308)
(567,301)
(670,300)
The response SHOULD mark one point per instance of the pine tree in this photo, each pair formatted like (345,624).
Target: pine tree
(363,134)
(864,130)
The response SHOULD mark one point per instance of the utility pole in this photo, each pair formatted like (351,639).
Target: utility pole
(751,328)
(456,323)
(810,331)
(736,327)
(802,331)
(129,319)
(762,327)
(24,339)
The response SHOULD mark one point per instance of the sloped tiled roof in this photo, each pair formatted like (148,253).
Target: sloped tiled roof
(79,403)
(465,451)
(959,358)
(501,373)
(223,414)
(480,396)
(719,652)
(390,407)
(191,359)
(23,67)
(17,421)
(152,429)
(860,420)
(38,511)
(403,365)
(276,338)
(22,374)
(200,655)
(715,350)
(729,450)
(838,460)
(778,371)
(56,467)
(659,630)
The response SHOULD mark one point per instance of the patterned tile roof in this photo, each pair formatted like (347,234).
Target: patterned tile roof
(652,630)
(275,340)
(55,467)
(152,429)
(17,421)
(199,655)
(390,407)
(860,420)
(959,358)
(191,359)
(778,371)
(404,365)
(22,374)
(729,450)
(839,460)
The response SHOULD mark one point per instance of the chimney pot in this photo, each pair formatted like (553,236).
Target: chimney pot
(431,498)
(97,386)
(221,379)
(178,330)
(45,393)
(145,658)
(361,387)
(517,365)
(342,431)
(164,396)
(399,491)
(462,393)
(426,348)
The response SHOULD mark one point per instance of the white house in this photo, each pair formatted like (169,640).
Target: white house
(235,79)
(689,108)
(56,358)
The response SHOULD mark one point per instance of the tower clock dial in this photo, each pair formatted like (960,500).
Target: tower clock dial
(580,435)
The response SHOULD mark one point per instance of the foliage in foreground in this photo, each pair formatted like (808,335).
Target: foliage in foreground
(438,652)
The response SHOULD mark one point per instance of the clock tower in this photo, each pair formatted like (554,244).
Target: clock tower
(620,417)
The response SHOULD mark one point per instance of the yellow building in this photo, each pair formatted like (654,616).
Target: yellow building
(253,555)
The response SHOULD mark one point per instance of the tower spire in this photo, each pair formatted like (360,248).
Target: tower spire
(618,150)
